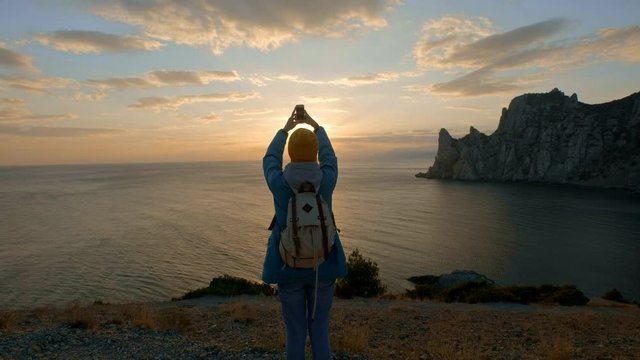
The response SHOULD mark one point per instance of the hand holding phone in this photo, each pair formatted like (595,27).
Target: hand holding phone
(299,113)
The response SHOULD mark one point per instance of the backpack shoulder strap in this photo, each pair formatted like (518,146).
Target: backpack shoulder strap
(294,224)
(323,226)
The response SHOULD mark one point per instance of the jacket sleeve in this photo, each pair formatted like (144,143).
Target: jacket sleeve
(327,158)
(272,161)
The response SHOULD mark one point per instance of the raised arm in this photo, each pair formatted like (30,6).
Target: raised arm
(326,155)
(272,160)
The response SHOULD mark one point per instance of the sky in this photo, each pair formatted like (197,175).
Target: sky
(127,81)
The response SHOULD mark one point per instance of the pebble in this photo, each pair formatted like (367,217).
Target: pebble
(60,342)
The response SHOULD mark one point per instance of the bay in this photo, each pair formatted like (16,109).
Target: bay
(136,232)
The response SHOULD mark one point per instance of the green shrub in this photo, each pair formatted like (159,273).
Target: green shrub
(524,294)
(567,295)
(424,291)
(477,292)
(482,292)
(362,280)
(615,295)
(227,285)
(424,280)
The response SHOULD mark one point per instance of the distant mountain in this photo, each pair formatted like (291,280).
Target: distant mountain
(550,138)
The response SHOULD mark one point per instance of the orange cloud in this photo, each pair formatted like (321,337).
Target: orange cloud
(263,25)
(35,84)
(160,78)
(14,60)
(13,110)
(80,42)
(158,103)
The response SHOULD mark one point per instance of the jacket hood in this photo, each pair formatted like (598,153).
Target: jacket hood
(297,173)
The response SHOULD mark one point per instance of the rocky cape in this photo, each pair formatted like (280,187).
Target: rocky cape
(550,138)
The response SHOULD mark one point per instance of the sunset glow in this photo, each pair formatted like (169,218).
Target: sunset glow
(163,81)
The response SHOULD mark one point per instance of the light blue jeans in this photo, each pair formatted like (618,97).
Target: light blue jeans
(297,307)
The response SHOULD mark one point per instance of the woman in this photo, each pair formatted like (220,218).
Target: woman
(296,286)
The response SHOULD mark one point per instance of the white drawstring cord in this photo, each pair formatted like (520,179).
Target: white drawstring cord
(315,268)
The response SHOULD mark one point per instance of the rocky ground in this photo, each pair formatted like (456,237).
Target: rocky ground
(251,328)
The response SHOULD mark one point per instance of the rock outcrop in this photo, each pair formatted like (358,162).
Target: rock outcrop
(452,279)
(551,138)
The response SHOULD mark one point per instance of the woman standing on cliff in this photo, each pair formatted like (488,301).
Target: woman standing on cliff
(305,308)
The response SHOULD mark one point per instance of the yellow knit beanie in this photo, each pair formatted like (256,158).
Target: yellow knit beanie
(303,146)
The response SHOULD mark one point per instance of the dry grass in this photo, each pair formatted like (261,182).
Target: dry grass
(81,317)
(139,315)
(562,349)
(44,314)
(352,339)
(348,336)
(240,311)
(596,302)
(449,351)
(154,319)
(378,330)
(174,319)
(7,320)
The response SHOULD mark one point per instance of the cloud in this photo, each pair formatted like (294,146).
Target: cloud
(46,131)
(211,118)
(160,78)
(486,50)
(11,101)
(415,136)
(398,146)
(442,37)
(251,112)
(318,99)
(298,79)
(467,108)
(477,83)
(493,62)
(14,110)
(350,81)
(174,102)
(368,79)
(80,42)
(264,25)
(35,84)
(14,60)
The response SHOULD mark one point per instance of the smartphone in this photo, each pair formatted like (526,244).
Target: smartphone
(299,113)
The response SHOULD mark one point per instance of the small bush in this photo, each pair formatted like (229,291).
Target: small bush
(227,285)
(424,279)
(79,317)
(525,294)
(177,319)
(353,339)
(424,291)
(7,320)
(362,280)
(567,295)
(240,311)
(615,295)
(477,292)
(140,315)
(482,292)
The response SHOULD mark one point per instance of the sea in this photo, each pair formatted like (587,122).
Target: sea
(143,232)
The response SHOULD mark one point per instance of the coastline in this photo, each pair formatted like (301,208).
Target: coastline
(250,327)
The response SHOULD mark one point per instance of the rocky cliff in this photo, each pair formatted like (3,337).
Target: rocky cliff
(550,138)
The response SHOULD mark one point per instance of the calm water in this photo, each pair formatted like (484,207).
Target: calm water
(141,232)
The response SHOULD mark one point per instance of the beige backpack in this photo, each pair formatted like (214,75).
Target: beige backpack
(310,233)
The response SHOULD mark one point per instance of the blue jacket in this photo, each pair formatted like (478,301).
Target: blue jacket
(274,270)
